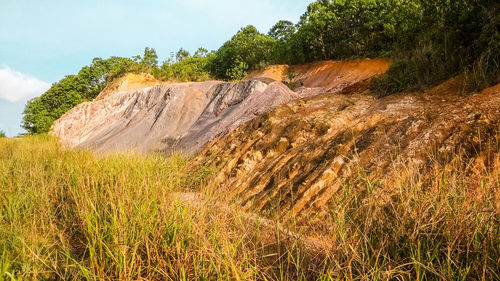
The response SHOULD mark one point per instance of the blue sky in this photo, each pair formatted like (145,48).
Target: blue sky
(42,41)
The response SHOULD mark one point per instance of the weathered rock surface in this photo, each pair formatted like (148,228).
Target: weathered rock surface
(279,152)
(167,117)
(297,160)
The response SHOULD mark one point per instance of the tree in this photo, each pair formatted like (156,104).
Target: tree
(149,60)
(201,52)
(282,32)
(41,112)
(182,54)
(357,28)
(2,134)
(186,67)
(246,50)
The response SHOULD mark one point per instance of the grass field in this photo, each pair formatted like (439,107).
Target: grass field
(71,215)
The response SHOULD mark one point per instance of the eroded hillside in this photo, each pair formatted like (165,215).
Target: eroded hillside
(304,156)
(359,183)
(325,76)
(140,113)
(167,117)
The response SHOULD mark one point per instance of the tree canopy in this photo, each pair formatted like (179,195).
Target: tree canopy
(245,51)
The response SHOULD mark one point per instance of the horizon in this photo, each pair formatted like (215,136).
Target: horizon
(40,43)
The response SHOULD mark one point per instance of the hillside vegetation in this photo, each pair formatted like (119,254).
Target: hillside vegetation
(430,41)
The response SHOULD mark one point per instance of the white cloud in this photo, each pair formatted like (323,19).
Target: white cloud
(16,86)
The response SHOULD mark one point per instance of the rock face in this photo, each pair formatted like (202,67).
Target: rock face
(167,117)
(298,159)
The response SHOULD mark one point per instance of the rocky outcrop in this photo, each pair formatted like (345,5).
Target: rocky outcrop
(167,117)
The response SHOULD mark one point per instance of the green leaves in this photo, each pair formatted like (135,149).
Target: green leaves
(246,50)
(186,67)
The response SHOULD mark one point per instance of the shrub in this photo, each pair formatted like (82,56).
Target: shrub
(186,67)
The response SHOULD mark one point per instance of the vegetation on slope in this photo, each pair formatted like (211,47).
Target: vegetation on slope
(69,215)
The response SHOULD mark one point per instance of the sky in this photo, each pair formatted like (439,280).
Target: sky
(42,41)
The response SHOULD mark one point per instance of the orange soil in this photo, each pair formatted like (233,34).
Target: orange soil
(131,81)
(330,75)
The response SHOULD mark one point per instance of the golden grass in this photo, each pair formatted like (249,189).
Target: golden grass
(69,215)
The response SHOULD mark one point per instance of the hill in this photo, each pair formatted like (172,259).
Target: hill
(140,113)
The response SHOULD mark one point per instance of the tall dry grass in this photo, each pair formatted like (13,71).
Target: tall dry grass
(440,223)
(70,215)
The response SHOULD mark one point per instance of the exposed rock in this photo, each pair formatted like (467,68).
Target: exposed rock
(129,82)
(325,76)
(283,145)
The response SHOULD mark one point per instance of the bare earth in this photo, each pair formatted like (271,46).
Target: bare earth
(300,156)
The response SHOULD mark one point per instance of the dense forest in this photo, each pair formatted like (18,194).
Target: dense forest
(429,41)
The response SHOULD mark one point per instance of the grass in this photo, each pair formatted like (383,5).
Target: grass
(71,215)
(434,226)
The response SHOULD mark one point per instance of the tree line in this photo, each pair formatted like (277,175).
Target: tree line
(428,40)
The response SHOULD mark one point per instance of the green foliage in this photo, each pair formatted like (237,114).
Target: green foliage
(148,62)
(186,67)
(182,54)
(2,134)
(429,40)
(246,50)
(238,70)
(358,28)
(457,37)
(282,32)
